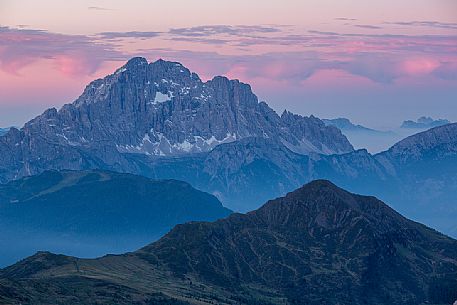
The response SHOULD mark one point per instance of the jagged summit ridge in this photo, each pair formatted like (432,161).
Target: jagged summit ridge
(185,115)
(159,108)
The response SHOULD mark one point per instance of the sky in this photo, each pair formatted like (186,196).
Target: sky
(375,62)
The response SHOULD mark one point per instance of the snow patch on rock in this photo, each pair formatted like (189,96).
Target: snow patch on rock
(155,143)
(161,98)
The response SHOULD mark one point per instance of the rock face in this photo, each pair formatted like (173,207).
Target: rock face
(90,213)
(242,174)
(317,245)
(435,143)
(3,131)
(154,109)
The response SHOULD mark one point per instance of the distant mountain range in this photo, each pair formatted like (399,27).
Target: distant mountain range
(424,123)
(161,121)
(154,109)
(417,175)
(317,245)
(363,137)
(90,213)
(346,125)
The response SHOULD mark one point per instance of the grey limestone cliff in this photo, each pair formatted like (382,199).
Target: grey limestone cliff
(154,109)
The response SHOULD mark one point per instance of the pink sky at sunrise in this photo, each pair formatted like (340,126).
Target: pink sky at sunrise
(375,62)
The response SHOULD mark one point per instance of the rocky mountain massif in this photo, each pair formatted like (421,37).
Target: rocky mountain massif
(161,121)
(3,131)
(317,245)
(91,213)
(154,109)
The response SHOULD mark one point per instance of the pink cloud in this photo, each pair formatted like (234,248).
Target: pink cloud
(75,64)
(419,66)
(270,61)
(73,54)
(337,78)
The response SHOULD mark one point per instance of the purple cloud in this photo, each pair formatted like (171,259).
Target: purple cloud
(345,19)
(212,41)
(432,24)
(131,34)
(367,26)
(382,58)
(21,47)
(239,30)
(448,71)
(98,8)
(295,67)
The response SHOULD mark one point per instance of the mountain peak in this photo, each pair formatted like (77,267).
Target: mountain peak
(136,61)
(163,62)
(321,183)
(158,109)
(323,189)
(322,204)
(304,250)
(316,190)
(316,187)
(132,64)
(286,113)
(142,63)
